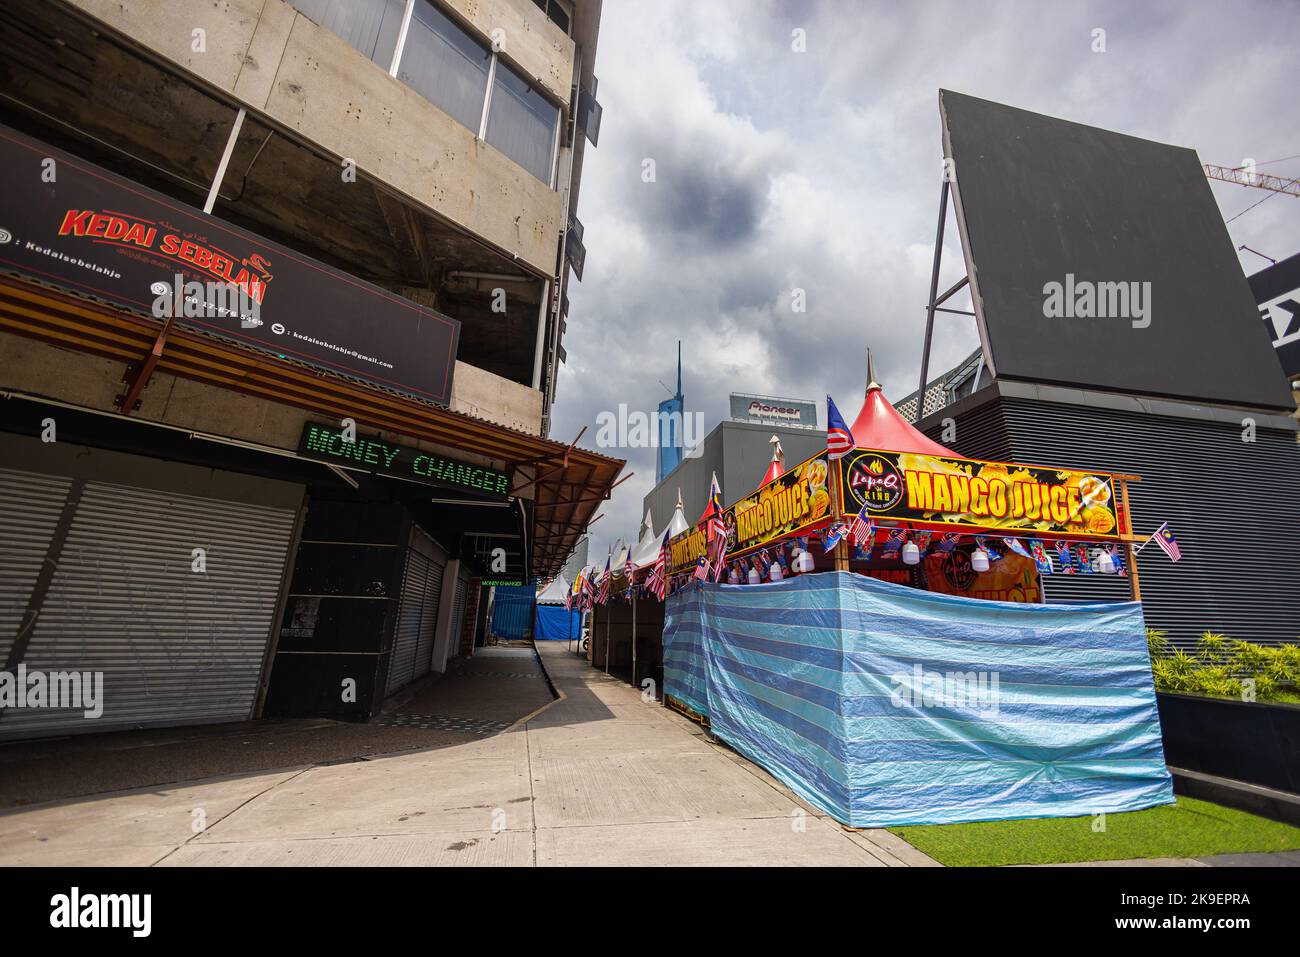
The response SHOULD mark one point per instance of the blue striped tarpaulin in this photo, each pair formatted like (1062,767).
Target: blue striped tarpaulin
(885,705)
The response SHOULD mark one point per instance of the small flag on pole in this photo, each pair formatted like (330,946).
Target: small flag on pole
(863,528)
(893,544)
(947,543)
(1169,545)
(839,440)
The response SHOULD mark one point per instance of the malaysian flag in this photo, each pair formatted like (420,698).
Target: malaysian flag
(863,528)
(604,583)
(947,543)
(702,569)
(720,562)
(658,580)
(839,440)
(1164,537)
(893,544)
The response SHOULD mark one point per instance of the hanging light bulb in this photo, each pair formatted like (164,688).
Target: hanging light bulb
(1106,562)
(775,574)
(733,576)
(805,562)
(911,554)
(979,560)
(754,577)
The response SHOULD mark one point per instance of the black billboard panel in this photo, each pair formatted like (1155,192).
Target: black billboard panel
(72,224)
(1277,294)
(1101,260)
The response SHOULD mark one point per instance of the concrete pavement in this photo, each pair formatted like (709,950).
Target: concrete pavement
(597,777)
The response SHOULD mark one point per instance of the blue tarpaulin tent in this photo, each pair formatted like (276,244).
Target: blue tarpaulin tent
(886,705)
(556,624)
(512,610)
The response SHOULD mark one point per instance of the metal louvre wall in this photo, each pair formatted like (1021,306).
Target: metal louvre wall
(417,613)
(406,637)
(1237,573)
(428,619)
(458,614)
(981,434)
(30,506)
(175,646)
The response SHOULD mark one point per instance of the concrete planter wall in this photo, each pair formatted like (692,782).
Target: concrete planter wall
(1247,741)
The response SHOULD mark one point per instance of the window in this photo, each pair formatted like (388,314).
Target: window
(370,26)
(555,12)
(522,123)
(452,70)
(444,65)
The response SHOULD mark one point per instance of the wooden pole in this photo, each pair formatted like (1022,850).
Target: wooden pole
(837,513)
(634,681)
(1130,556)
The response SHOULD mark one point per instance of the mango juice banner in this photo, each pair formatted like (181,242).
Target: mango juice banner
(798,500)
(905,486)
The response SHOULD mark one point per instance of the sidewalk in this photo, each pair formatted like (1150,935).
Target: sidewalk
(597,777)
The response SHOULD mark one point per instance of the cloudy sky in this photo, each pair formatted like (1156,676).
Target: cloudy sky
(820,170)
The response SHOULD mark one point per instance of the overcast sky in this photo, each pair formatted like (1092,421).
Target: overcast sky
(820,170)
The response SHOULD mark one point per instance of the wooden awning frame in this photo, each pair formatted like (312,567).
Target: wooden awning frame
(568,482)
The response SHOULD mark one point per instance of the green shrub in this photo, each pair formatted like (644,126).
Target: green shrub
(1221,667)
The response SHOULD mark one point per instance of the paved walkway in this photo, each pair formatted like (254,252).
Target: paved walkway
(598,777)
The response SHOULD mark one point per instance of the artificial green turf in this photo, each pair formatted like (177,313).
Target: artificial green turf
(1189,828)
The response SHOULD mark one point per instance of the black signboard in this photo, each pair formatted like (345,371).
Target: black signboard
(326,443)
(75,225)
(1277,293)
(1101,260)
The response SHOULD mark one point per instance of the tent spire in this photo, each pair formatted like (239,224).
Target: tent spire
(871,374)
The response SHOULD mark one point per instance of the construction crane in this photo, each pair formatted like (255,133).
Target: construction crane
(1240,176)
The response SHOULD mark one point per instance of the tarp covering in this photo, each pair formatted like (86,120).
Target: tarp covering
(556,624)
(886,705)
(512,610)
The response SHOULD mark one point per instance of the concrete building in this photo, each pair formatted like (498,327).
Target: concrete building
(293,508)
(740,453)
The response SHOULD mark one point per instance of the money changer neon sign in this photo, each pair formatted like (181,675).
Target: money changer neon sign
(325,443)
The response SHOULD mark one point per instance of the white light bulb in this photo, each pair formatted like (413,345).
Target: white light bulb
(911,554)
(979,560)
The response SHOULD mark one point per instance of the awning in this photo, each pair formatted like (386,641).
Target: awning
(567,483)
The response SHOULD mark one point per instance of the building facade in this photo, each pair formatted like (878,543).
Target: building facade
(739,453)
(289,506)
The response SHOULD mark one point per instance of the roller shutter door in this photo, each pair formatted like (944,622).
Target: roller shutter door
(428,620)
(417,613)
(458,615)
(175,645)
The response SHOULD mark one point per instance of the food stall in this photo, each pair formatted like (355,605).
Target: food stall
(869,627)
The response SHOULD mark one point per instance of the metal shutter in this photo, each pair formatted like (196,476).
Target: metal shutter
(428,620)
(406,638)
(417,614)
(457,615)
(30,506)
(175,646)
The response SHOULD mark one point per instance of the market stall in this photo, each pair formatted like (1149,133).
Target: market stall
(868,626)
